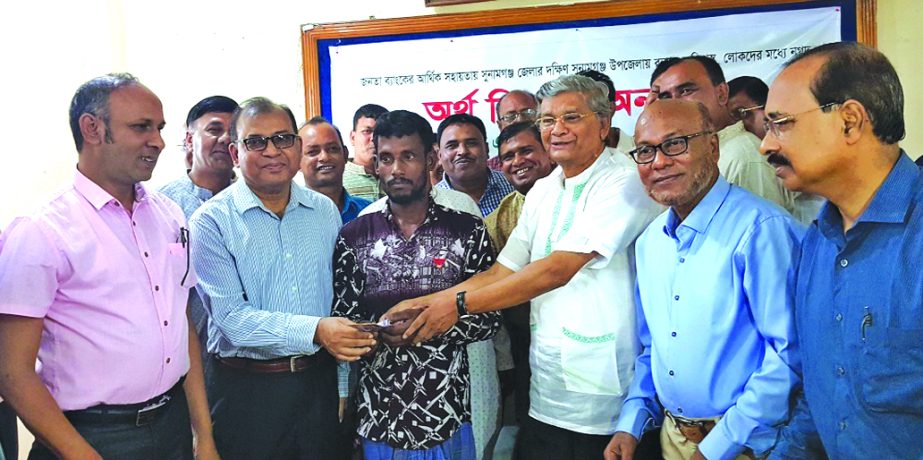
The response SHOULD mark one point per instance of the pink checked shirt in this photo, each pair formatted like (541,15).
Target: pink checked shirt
(108,286)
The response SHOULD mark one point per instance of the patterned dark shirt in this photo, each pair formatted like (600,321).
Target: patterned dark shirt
(412,397)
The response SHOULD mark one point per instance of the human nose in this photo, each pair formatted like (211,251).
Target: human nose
(157,141)
(770,143)
(225,137)
(661,160)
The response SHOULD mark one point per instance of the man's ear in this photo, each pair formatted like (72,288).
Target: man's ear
(431,160)
(233,150)
(722,92)
(352,137)
(187,141)
(92,128)
(855,120)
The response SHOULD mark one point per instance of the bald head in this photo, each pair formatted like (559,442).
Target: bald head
(677,153)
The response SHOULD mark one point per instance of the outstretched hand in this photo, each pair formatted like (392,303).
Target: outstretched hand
(621,447)
(341,339)
(438,316)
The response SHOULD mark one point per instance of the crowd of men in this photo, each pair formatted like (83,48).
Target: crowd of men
(734,279)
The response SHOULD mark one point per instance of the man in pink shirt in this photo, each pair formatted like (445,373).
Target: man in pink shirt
(94,286)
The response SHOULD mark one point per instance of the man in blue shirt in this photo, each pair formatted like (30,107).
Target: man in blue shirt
(834,119)
(463,154)
(206,142)
(263,250)
(323,163)
(715,318)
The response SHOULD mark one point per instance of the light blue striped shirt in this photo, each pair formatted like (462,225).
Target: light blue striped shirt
(265,281)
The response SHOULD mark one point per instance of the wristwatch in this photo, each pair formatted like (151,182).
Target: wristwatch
(460,304)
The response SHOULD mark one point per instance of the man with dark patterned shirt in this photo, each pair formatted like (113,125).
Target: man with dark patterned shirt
(412,399)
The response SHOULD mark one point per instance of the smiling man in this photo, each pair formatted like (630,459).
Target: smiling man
(570,255)
(207,140)
(700,79)
(834,118)
(715,369)
(322,165)
(463,155)
(263,250)
(524,160)
(94,287)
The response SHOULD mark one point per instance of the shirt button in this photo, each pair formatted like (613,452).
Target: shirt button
(288,255)
(166,323)
(294,288)
(679,410)
(682,259)
(842,425)
(673,333)
(671,373)
(145,253)
(840,371)
(676,297)
(134,224)
(844,263)
(168,360)
(157,288)
(838,317)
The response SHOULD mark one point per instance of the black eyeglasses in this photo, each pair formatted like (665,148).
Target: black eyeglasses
(777,126)
(671,147)
(258,144)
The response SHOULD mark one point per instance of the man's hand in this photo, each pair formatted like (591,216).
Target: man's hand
(400,320)
(439,316)
(621,447)
(342,340)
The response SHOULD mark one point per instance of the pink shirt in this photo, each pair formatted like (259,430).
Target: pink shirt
(108,286)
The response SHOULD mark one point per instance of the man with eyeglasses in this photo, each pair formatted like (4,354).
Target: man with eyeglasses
(834,120)
(515,106)
(715,318)
(746,98)
(263,250)
(569,255)
(700,79)
(94,287)
(212,170)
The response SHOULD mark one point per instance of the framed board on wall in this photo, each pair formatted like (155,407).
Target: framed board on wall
(443,64)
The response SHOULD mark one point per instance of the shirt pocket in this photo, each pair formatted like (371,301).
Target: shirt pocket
(590,364)
(891,370)
(179,267)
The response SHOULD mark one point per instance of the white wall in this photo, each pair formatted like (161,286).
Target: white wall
(186,50)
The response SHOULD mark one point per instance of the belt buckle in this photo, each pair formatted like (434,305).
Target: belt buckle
(147,414)
(291,363)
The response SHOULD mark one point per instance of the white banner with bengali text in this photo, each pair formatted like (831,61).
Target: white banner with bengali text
(437,77)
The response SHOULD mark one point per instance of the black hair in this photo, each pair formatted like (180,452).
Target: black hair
(319,120)
(368,111)
(211,104)
(715,74)
(855,71)
(753,87)
(258,106)
(401,123)
(461,119)
(514,129)
(93,97)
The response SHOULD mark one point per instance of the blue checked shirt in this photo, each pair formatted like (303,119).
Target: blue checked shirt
(859,317)
(497,189)
(265,281)
(715,320)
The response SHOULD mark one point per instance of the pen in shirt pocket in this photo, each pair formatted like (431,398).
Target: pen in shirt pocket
(866,322)
(184,240)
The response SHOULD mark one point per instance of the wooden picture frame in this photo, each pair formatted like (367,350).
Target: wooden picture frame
(865,25)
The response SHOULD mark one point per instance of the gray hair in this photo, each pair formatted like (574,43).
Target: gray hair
(596,93)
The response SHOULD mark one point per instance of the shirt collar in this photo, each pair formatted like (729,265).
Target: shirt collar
(203,194)
(890,204)
(96,195)
(703,213)
(244,198)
